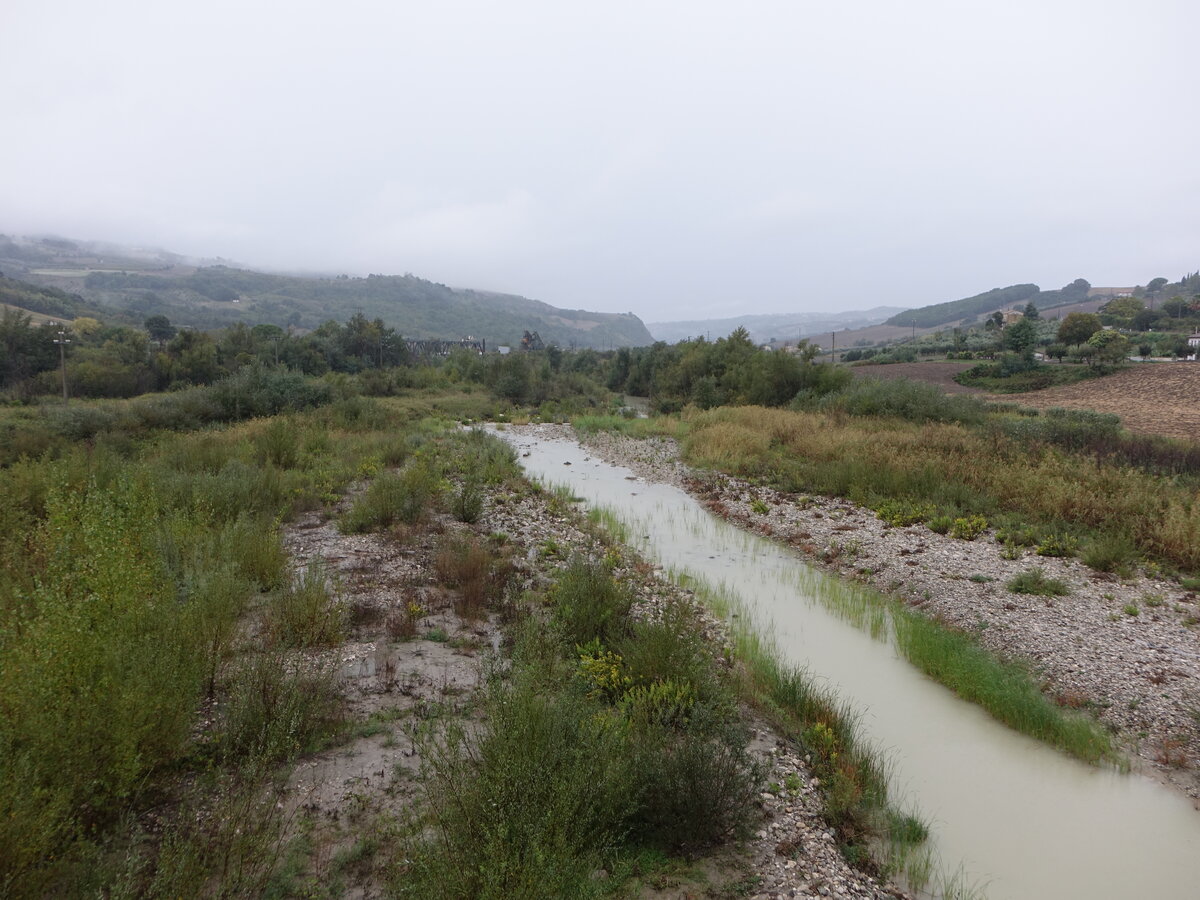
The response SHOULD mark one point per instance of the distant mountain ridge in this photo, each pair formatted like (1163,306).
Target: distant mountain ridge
(134,283)
(954,311)
(772,326)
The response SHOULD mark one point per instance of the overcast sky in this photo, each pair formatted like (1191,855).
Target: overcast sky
(678,160)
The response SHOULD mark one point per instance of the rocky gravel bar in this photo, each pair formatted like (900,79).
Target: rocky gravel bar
(1126,649)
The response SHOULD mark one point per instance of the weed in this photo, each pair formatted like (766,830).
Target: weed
(590,605)
(1110,553)
(390,498)
(968,528)
(759,507)
(981,579)
(467,503)
(1131,609)
(1057,545)
(1034,581)
(940,524)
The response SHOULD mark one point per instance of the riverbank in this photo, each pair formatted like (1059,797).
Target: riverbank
(414,662)
(1125,649)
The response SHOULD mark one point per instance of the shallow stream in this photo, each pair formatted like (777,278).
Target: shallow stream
(1017,818)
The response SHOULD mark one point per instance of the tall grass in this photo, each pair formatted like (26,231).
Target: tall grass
(960,470)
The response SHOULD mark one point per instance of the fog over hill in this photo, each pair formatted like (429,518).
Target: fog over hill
(133,283)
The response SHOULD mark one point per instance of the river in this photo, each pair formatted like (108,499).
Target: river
(1014,816)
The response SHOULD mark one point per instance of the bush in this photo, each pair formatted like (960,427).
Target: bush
(901,513)
(941,524)
(307,614)
(276,709)
(393,498)
(589,605)
(969,528)
(913,401)
(531,807)
(1110,553)
(1057,545)
(467,503)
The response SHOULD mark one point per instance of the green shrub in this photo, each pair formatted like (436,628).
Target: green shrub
(1034,581)
(529,807)
(277,707)
(913,401)
(279,444)
(941,524)
(901,513)
(393,498)
(467,502)
(307,614)
(1057,545)
(1110,553)
(590,605)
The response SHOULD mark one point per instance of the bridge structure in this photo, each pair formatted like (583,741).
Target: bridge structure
(445,348)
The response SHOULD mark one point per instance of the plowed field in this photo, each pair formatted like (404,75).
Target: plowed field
(1153,398)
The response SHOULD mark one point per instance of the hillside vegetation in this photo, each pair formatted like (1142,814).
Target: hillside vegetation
(134,287)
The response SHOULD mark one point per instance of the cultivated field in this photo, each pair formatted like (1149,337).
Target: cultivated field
(1152,398)
(937,373)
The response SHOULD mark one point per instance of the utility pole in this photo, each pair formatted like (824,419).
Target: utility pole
(62,340)
(832,346)
(914,337)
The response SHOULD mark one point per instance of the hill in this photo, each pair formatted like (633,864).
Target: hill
(136,283)
(768,327)
(955,311)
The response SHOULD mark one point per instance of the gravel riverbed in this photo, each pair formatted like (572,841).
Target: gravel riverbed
(1128,649)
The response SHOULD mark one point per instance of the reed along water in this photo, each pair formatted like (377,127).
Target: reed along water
(1009,814)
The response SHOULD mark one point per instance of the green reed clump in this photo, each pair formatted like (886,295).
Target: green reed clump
(1003,689)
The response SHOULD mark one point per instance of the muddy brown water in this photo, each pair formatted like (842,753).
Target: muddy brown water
(1013,816)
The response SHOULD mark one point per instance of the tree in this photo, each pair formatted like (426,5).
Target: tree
(1077,327)
(1122,310)
(1144,319)
(1156,284)
(1176,307)
(1031,311)
(159,328)
(1020,337)
(1110,347)
(1057,351)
